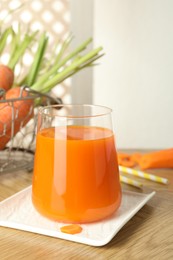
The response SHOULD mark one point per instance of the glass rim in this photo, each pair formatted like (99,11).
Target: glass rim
(107,110)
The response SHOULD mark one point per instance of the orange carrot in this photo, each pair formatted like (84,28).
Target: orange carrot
(135,157)
(71,229)
(125,160)
(6,77)
(21,112)
(159,159)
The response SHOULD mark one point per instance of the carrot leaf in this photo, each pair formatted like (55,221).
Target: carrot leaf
(21,46)
(33,73)
(4,38)
(69,70)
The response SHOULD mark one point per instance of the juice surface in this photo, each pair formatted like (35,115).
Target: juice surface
(76,175)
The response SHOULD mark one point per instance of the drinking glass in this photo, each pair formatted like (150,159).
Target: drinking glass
(76,177)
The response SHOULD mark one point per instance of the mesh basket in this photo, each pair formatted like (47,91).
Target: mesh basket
(18,153)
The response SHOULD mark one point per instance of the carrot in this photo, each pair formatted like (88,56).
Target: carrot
(39,79)
(135,157)
(6,77)
(125,160)
(71,229)
(19,112)
(159,159)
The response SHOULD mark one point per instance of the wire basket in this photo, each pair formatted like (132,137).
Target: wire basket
(18,153)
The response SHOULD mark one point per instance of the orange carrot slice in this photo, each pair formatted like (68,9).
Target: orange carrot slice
(159,159)
(125,160)
(127,163)
(71,229)
(135,157)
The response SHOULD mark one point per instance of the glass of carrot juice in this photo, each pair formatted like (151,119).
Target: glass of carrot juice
(76,177)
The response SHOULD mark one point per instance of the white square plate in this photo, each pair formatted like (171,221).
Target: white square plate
(18,212)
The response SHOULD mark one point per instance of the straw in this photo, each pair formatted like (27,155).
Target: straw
(143,175)
(131,182)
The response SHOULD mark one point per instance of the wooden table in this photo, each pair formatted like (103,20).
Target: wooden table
(148,235)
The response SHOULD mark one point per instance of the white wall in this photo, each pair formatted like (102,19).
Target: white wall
(82,29)
(135,77)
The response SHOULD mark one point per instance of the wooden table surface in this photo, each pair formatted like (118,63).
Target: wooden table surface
(148,235)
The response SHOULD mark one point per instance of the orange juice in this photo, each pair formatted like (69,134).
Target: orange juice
(76,176)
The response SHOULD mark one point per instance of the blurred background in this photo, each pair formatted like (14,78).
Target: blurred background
(134,77)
